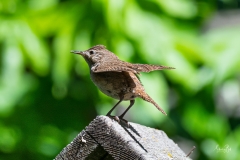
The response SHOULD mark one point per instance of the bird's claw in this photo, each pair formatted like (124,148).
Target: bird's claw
(124,121)
(119,120)
(116,118)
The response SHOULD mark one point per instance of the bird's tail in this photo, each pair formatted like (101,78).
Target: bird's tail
(147,98)
(148,67)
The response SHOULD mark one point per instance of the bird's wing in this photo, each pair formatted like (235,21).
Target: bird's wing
(148,67)
(112,67)
(125,66)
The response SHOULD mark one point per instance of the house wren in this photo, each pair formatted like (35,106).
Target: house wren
(116,78)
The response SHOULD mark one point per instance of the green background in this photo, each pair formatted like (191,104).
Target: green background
(47,97)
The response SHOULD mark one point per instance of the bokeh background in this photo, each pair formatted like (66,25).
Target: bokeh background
(47,97)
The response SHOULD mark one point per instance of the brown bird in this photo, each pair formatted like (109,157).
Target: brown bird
(116,78)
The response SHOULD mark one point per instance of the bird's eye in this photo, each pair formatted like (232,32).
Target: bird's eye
(92,52)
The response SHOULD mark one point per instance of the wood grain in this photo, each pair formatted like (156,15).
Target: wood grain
(106,140)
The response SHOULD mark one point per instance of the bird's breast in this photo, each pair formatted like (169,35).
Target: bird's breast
(117,84)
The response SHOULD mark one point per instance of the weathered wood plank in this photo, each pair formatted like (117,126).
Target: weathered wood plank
(107,140)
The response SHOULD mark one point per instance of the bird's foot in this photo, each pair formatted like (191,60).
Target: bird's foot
(119,119)
(116,118)
(124,121)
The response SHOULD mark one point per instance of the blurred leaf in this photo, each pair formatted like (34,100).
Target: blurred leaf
(179,8)
(9,138)
(47,97)
(211,126)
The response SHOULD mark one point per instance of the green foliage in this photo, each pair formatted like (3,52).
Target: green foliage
(47,98)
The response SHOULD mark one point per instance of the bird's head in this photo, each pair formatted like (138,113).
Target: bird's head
(95,54)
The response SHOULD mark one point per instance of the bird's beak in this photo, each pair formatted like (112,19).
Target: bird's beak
(77,52)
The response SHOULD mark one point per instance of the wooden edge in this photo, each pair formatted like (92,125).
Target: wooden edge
(106,139)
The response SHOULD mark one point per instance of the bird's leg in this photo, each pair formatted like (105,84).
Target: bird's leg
(123,114)
(109,113)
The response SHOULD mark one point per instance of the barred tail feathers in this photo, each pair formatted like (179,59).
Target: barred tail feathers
(148,67)
(147,98)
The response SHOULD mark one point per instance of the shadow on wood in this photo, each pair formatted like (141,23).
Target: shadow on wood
(105,139)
